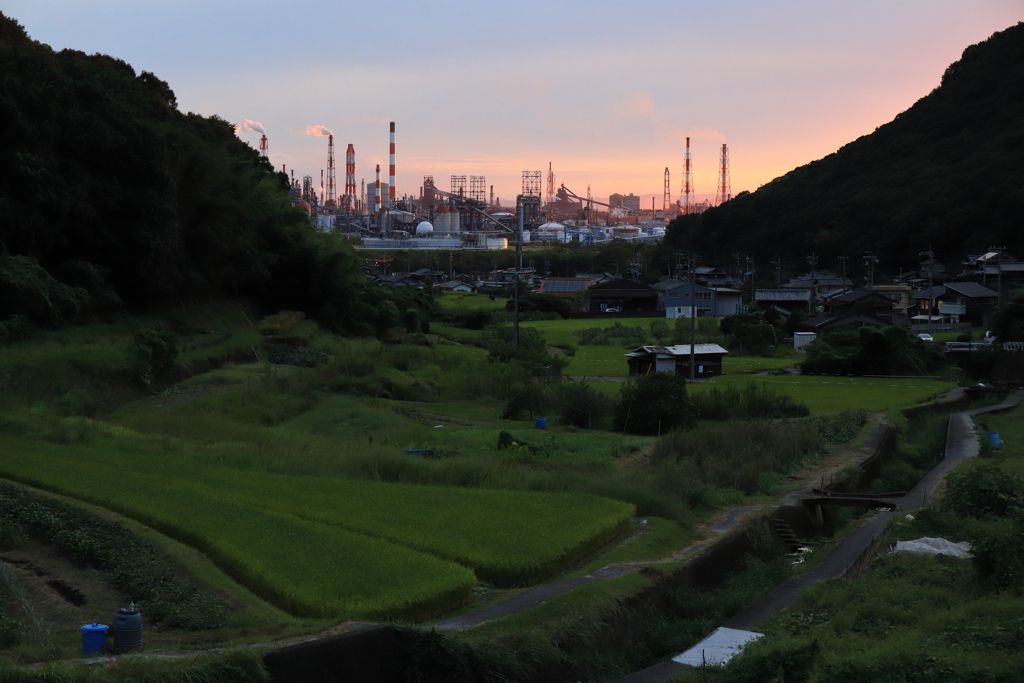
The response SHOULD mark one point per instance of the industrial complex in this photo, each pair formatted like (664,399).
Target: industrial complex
(468,216)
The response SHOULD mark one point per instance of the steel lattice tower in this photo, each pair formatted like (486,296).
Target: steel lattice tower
(686,201)
(724,192)
(531,184)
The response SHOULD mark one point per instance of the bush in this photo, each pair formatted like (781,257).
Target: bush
(744,403)
(303,356)
(530,398)
(985,492)
(997,552)
(654,404)
(280,323)
(15,328)
(152,353)
(580,405)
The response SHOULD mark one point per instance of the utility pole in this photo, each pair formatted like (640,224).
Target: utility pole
(515,289)
(870,260)
(843,259)
(931,292)
(999,274)
(778,272)
(693,315)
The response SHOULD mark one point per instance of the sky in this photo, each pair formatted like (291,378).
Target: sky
(605,91)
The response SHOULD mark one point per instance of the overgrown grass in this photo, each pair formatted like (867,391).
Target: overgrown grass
(837,394)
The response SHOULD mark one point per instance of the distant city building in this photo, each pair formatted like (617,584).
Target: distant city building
(629,201)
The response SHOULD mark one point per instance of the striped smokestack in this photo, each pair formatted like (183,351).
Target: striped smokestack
(391,187)
(376,195)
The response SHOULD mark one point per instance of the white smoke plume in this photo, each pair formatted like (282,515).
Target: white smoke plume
(319,131)
(254,126)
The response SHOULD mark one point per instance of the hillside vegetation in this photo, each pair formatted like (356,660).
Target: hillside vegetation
(110,195)
(946,174)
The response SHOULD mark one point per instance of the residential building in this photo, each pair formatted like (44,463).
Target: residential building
(647,359)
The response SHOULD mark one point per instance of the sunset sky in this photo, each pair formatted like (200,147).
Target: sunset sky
(606,91)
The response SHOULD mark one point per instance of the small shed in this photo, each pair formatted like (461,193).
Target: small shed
(647,359)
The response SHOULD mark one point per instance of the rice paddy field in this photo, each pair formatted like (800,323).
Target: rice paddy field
(323,546)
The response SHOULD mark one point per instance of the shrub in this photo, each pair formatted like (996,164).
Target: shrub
(580,405)
(303,356)
(529,398)
(997,552)
(654,404)
(152,353)
(744,403)
(280,323)
(985,491)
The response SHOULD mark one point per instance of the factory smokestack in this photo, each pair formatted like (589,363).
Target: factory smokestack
(331,202)
(263,145)
(376,194)
(391,187)
(350,178)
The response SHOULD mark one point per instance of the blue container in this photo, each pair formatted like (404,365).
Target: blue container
(542,423)
(994,438)
(94,637)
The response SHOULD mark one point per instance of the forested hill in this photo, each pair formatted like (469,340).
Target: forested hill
(117,194)
(947,173)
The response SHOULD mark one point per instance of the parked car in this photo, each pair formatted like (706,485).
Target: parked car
(924,336)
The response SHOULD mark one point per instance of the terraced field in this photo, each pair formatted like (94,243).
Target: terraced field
(329,546)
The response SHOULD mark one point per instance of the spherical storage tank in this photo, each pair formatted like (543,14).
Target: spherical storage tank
(424,228)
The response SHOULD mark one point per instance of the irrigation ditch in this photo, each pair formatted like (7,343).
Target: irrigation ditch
(388,653)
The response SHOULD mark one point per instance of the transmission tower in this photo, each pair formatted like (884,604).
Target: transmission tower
(724,192)
(686,201)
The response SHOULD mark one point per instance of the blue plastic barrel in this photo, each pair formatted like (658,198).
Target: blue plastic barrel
(94,637)
(542,423)
(994,438)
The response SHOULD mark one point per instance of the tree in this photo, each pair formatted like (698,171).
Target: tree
(654,404)
(871,351)
(1008,319)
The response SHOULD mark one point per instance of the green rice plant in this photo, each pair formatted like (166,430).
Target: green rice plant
(306,568)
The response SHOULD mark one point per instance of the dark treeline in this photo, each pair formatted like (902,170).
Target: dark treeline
(119,196)
(946,174)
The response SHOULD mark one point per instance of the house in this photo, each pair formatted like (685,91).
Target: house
(622,296)
(674,297)
(819,283)
(997,267)
(785,300)
(457,286)
(857,308)
(565,287)
(956,302)
(647,359)
(713,276)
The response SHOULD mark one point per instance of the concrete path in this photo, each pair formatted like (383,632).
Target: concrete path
(961,442)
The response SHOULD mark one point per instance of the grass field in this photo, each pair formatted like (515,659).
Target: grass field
(470,302)
(836,394)
(326,546)
(560,332)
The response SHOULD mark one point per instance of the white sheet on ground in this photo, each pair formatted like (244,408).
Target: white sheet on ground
(934,546)
(718,648)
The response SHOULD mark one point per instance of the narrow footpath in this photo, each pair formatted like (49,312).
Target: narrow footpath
(961,442)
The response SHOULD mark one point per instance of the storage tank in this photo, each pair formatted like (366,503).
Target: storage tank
(441,219)
(424,228)
(455,220)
